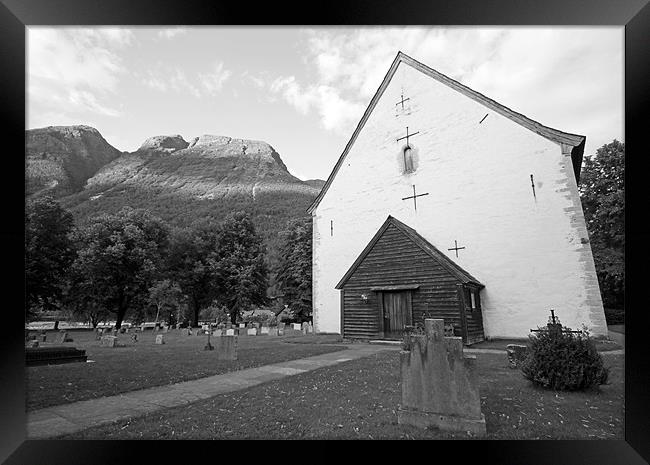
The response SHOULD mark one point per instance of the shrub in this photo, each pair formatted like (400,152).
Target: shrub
(615,316)
(564,361)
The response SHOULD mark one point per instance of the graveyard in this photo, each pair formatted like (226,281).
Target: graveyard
(137,365)
(372,397)
(359,400)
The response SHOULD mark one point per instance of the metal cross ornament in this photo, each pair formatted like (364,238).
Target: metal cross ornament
(402,101)
(456,248)
(414,197)
(407,136)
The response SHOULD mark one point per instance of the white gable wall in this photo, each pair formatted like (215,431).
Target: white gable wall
(529,253)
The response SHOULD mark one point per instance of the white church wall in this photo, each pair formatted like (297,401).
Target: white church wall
(530,252)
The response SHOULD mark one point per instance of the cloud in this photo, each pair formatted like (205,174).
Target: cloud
(84,100)
(213,81)
(336,113)
(568,78)
(74,70)
(170,33)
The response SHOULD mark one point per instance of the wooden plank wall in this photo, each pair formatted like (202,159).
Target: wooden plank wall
(395,260)
(474,318)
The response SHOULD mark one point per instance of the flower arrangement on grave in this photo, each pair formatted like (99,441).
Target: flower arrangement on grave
(562,359)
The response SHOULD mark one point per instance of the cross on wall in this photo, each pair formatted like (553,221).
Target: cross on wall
(456,248)
(407,136)
(402,101)
(414,197)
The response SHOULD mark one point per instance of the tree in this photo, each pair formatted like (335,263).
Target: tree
(49,252)
(602,190)
(166,296)
(188,265)
(294,271)
(118,260)
(239,265)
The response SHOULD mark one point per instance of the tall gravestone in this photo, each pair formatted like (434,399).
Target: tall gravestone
(440,383)
(160,339)
(226,347)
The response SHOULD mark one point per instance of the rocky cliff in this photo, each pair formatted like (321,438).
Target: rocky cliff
(60,159)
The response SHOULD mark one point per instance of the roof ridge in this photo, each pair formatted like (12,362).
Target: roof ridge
(417,239)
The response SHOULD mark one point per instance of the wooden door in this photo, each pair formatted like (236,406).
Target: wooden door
(396,313)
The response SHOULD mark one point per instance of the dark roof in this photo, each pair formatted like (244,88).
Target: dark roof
(462,275)
(555,135)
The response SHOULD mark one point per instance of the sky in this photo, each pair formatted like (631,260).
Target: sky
(303,90)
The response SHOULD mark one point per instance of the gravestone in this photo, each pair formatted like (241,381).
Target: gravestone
(63,337)
(217,332)
(252,331)
(296,326)
(439,383)
(305,328)
(264,330)
(109,341)
(310,328)
(160,339)
(516,354)
(226,347)
(280,329)
(230,332)
(43,336)
(242,325)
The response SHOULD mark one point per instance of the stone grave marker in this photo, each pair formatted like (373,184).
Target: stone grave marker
(230,332)
(217,332)
(226,348)
(297,327)
(109,341)
(63,337)
(252,331)
(264,330)
(310,328)
(439,383)
(160,339)
(305,328)
(280,329)
(242,325)
(43,336)
(516,354)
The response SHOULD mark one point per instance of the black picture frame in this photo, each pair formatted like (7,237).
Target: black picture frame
(15,15)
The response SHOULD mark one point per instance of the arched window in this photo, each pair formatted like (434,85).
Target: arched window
(408,160)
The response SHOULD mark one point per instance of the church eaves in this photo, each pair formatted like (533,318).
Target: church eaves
(555,135)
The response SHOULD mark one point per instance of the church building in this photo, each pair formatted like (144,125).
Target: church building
(447,204)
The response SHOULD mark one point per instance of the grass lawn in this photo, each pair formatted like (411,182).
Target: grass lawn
(358,400)
(144,364)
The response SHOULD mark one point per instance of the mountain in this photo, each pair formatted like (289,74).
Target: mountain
(60,159)
(180,181)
